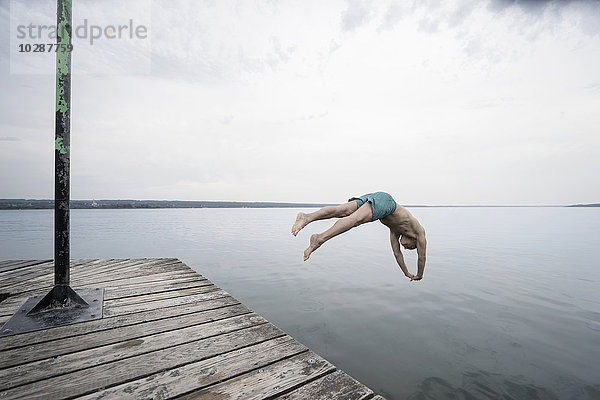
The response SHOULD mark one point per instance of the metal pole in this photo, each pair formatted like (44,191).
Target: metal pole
(62,142)
(62,305)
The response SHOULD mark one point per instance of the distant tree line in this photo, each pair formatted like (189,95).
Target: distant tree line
(33,204)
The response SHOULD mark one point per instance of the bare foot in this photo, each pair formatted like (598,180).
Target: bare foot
(300,223)
(314,244)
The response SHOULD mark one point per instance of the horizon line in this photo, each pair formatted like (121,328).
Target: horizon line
(276,204)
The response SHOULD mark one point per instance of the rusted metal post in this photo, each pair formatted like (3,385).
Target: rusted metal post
(62,305)
(62,295)
(62,150)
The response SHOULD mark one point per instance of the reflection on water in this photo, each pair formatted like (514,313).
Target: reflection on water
(508,309)
(485,385)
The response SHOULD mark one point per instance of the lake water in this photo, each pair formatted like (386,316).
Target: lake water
(509,306)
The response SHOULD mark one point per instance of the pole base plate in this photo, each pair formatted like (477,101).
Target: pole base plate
(24,321)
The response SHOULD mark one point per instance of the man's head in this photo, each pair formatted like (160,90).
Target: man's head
(408,242)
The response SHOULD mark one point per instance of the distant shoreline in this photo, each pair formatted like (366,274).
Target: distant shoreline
(37,204)
(33,204)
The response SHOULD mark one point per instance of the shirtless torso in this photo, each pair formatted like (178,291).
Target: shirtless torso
(405,230)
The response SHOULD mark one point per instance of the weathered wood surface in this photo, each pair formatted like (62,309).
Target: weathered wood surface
(336,385)
(166,332)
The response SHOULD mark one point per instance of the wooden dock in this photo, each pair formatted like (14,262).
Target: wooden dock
(166,332)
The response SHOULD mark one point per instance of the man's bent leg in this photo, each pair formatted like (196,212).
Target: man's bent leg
(327,212)
(362,215)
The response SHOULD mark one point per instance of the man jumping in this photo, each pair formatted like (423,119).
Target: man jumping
(405,230)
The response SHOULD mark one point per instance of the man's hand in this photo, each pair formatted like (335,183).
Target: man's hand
(415,278)
(410,276)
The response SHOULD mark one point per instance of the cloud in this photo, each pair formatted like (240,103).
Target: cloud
(235,41)
(279,54)
(432,15)
(356,14)
(551,13)
(9,139)
(430,24)
(589,18)
(462,11)
(533,6)
(313,116)
(531,17)
(593,87)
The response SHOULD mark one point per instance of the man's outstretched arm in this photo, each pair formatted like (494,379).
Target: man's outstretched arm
(395,242)
(421,252)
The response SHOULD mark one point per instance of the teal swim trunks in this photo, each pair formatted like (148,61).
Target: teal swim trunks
(382,203)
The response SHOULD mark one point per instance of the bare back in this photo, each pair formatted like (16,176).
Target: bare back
(401,222)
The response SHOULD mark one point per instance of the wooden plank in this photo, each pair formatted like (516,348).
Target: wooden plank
(28,284)
(155,280)
(145,298)
(46,267)
(15,300)
(185,378)
(128,289)
(110,310)
(143,278)
(133,270)
(107,269)
(40,273)
(48,368)
(115,292)
(91,267)
(337,385)
(31,282)
(18,264)
(90,340)
(28,274)
(9,262)
(121,321)
(12,304)
(45,284)
(109,374)
(30,279)
(138,265)
(268,381)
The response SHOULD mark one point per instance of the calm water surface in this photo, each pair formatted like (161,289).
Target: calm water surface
(509,307)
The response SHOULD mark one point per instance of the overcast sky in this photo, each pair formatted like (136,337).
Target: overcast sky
(435,102)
